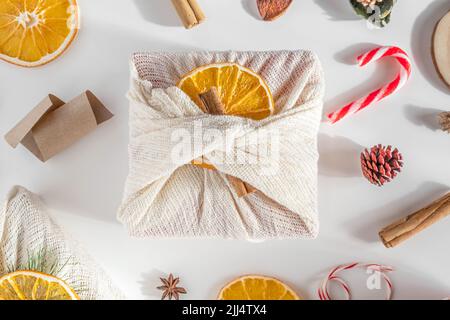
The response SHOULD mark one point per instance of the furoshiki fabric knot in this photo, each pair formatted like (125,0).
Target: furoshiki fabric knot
(167,196)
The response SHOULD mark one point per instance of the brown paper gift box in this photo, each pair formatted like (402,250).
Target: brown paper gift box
(53,125)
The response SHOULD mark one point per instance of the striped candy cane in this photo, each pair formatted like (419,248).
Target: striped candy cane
(374,55)
(333,276)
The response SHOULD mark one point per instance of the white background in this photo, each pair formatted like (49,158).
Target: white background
(83,185)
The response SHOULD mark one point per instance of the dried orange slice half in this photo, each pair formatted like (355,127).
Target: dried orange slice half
(255,287)
(242,92)
(35,32)
(32,285)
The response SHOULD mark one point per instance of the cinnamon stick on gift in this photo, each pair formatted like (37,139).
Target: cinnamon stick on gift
(406,228)
(189,12)
(241,188)
(212,104)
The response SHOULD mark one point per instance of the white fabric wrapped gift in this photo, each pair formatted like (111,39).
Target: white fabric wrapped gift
(167,196)
(26,231)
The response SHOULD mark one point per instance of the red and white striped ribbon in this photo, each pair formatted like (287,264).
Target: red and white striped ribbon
(377,95)
(333,277)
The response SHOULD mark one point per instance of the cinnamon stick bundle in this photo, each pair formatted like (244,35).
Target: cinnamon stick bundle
(189,12)
(406,228)
(212,104)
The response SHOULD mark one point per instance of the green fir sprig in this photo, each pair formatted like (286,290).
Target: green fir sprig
(41,261)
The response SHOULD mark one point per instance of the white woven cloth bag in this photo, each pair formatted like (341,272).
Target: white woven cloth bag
(168,197)
(26,230)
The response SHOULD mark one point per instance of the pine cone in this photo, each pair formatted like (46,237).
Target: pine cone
(381,165)
(444,120)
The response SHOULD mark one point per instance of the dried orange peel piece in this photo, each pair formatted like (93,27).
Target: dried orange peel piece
(32,285)
(255,287)
(35,32)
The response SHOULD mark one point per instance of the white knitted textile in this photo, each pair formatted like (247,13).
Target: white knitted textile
(26,229)
(166,198)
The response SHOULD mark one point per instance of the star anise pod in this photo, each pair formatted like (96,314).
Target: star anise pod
(170,289)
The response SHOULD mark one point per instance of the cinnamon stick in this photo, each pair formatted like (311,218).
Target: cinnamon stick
(241,188)
(406,228)
(211,104)
(189,12)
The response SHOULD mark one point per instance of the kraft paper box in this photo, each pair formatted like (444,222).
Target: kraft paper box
(53,125)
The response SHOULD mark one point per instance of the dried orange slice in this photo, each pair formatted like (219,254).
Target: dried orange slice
(32,285)
(254,287)
(35,32)
(242,92)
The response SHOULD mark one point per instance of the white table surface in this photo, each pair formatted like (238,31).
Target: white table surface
(83,185)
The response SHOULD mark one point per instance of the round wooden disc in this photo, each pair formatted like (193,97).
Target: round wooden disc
(441,48)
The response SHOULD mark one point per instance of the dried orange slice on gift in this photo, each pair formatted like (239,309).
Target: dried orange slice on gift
(256,287)
(32,285)
(243,92)
(35,32)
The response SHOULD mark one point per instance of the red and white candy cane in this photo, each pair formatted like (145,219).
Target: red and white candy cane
(372,98)
(333,276)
